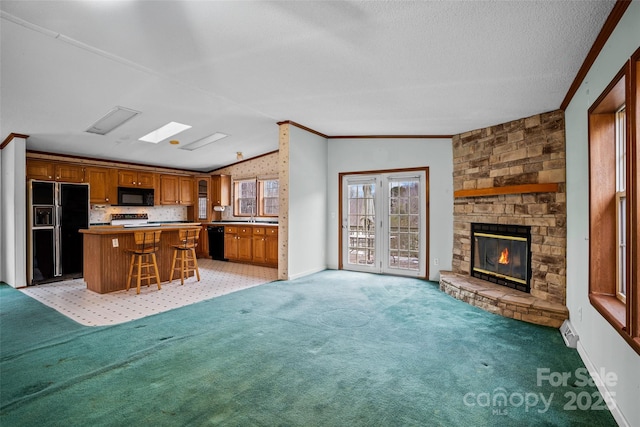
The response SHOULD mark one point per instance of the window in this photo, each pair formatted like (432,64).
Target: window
(256,197)
(245,197)
(621,203)
(614,193)
(268,190)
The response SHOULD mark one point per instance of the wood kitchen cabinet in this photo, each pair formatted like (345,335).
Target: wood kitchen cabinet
(251,243)
(265,245)
(186,184)
(69,173)
(134,178)
(176,190)
(203,196)
(53,171)
(102,185)
(238,243)
(271,246)
(231,243)
(202,250)
(245,244)
(221,190)
(40,169)
(259,245)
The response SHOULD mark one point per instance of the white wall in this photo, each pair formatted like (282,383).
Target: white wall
(12,214)
(600,346)
(2,202)
(354,155)
(307,203)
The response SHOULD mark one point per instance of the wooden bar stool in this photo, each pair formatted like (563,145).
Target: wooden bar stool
(143,257)
(187,249)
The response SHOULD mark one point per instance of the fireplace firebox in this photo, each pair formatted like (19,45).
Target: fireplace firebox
(501,254)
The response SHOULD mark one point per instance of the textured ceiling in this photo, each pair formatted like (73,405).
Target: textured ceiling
(239,67)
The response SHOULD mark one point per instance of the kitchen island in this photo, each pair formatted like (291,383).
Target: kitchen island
(106,261)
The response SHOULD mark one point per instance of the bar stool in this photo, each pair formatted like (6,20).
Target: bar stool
(187,249)
(143,256)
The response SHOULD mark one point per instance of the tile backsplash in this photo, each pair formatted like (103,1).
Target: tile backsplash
(102,215)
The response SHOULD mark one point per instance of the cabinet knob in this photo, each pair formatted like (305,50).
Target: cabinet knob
(139,183)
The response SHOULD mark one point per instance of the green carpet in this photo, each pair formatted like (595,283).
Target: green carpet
(331,349)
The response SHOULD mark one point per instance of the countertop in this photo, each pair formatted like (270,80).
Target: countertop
(120,229)
(261,224)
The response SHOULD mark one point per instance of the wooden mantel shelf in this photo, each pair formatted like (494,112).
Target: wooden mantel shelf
(510,189)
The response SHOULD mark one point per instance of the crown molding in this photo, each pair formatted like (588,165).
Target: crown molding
(610,24)
(10,138)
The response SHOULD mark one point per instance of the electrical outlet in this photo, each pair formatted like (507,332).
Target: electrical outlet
(580,314)
(114,242)
(436,261)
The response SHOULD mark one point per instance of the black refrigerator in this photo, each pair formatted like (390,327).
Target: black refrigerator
(57,210)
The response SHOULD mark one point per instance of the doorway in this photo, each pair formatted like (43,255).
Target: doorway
(384,222)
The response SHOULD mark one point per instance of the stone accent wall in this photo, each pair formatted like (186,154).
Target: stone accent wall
(525,151)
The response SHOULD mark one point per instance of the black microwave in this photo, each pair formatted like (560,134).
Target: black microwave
(135,196)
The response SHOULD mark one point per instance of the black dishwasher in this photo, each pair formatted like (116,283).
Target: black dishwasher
(216,242)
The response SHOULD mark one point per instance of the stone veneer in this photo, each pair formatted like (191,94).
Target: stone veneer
(525,151)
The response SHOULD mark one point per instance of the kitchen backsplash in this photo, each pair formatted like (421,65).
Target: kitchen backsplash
(102,215)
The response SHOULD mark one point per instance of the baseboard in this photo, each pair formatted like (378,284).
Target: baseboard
(306,273)
(604,392)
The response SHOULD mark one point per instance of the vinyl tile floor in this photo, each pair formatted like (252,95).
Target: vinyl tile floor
(74,300)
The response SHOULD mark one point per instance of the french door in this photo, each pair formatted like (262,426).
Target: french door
(384,222)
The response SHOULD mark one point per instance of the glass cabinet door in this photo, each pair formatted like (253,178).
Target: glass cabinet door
(203,199)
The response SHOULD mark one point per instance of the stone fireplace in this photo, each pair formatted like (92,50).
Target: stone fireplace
(511,175)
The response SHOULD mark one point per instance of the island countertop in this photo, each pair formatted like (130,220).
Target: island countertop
(121,229)
(106,261)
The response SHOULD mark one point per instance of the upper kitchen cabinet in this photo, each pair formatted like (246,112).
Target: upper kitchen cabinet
(203,185)
(133,178)
(176,190)
(102,185)
(221,190)
(53,171)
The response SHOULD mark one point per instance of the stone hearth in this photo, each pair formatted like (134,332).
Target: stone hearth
(502,300)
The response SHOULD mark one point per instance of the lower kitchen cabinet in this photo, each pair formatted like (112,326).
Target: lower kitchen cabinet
(271,246)
(265,245)
(252,244)
(245,252)
(202,250)
(231,243)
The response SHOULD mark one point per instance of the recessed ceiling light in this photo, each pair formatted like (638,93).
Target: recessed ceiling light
(166,131)
(204,141)
(114,118)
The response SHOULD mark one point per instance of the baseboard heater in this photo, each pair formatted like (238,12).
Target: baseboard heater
(569,335)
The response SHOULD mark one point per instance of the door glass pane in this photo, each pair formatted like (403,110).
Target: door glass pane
(404,223)
(361,220)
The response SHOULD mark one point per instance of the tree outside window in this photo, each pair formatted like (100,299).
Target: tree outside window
(245,197)
(256,197)
(269,197)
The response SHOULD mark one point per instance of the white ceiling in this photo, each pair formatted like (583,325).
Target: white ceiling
(239,67)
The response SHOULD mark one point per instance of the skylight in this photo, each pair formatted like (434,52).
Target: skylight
(204,141)
(114,118)
(166,131)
